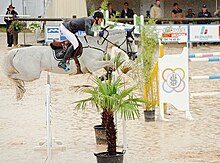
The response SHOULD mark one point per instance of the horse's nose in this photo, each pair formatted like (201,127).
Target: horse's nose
(133,58)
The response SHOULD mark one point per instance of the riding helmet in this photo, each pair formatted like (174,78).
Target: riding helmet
(98,14)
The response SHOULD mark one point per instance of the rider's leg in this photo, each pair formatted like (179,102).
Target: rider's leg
(69,35)
(69,52)
(72,38)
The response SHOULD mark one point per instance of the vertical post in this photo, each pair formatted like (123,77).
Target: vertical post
(49,134)
(115,115)
(125,143)
(24,13)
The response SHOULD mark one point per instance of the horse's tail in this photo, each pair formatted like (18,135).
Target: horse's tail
(9,70)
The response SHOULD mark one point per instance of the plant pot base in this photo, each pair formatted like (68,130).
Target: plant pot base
(149,116)
(100,135)
(104,158)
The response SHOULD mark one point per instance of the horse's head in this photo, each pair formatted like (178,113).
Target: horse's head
(131,47)
(124,40)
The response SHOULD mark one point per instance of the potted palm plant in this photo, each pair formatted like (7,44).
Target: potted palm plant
(100,133)
(108,97)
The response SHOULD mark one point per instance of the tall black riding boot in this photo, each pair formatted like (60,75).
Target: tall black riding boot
(69,52)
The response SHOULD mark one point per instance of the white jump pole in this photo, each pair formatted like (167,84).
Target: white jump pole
(16,15)
(198,55)
(210,59)
(48,115)
(48,141)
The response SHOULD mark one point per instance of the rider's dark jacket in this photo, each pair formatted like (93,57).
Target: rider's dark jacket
(80,24)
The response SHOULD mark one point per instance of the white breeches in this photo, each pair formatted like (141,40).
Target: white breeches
(70,36)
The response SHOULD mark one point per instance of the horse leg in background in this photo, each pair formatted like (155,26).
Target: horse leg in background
(107,75)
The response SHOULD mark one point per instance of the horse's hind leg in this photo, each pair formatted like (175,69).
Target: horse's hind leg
(24,74)
(19,79)
(25,77)
(20,90)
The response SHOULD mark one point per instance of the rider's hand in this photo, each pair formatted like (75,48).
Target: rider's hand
(95,34)
(101,33)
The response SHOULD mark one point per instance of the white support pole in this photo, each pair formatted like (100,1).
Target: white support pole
(48,115)
(115,114)
(125,143)
(48,141)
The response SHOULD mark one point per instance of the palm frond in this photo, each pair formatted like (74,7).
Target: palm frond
(125,93)
(128,110)
(81,104)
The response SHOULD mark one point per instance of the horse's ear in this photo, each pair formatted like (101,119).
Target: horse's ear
(104,28)
(129,32)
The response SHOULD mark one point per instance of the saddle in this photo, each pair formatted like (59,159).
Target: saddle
(60,48)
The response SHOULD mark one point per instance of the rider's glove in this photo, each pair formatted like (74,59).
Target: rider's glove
(101,33)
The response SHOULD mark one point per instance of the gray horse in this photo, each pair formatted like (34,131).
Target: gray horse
(26,64)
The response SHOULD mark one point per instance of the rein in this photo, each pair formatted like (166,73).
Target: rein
(92,47)
(116,45)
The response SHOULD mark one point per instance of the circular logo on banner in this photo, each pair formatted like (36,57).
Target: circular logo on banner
(173,80)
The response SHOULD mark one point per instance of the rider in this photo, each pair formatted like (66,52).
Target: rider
(69,28)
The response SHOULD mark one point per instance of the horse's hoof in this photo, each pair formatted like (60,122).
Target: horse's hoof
(102,78)
(79,72)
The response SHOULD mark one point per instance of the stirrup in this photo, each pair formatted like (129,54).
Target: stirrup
(63,66)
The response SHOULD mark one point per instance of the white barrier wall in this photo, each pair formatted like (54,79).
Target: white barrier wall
(174,82)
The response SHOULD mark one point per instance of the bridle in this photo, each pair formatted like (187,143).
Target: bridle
(129,52)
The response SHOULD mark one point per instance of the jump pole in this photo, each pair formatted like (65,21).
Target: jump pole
(198,55)
(48,141)
(48,115)
(124,126)
(211,59)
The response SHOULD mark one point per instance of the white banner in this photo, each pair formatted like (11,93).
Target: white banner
(173,33)
(174,81)
(52,32)
(204,33)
